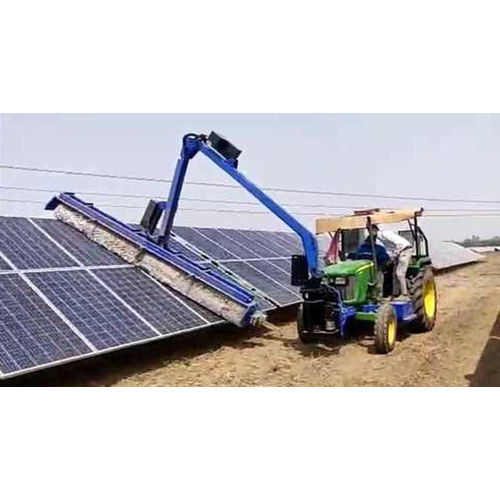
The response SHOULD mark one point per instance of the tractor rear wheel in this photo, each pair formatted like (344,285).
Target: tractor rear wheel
(424,297)
(385,328)
(305,336)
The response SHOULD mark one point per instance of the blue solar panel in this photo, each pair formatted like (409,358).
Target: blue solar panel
(164,311)
(85,250)
(289,241)
(285,264)
(255,245)
(274,272)
(3,265)
(240,250)
(31,334)
(262,238)
(281,247)
(208,247)
(28,248)
(280,294)
(97,314)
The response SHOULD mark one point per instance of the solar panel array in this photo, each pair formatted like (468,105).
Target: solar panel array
(63,298)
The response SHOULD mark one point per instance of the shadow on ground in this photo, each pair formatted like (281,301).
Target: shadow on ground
(487,372)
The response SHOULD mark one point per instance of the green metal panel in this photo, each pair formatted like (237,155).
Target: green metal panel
(365,316)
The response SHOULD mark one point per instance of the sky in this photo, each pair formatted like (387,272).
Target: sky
(423,155)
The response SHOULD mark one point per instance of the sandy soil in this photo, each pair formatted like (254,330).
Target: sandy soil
(463,349)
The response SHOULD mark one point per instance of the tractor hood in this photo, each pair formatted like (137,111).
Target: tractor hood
(347,268)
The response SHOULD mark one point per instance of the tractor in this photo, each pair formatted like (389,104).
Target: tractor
(354,289)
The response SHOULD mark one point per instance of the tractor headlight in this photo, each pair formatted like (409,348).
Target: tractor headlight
(340,280)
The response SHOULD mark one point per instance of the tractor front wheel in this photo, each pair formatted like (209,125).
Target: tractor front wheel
(304,336)
(385,329)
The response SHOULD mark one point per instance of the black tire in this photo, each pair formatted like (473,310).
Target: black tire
(304,336)
(385,329)
(425,308)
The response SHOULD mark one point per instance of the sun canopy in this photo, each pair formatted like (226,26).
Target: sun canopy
(360,221)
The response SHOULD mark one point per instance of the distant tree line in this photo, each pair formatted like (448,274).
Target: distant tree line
(476,241)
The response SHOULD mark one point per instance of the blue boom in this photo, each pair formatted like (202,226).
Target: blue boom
(224,155)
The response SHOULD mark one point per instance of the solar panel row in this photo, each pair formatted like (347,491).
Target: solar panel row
(55,308)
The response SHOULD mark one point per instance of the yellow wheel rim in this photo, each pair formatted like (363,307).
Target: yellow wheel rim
(391,331)
(430,299)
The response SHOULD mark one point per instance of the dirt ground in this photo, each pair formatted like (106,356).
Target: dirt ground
(463,349)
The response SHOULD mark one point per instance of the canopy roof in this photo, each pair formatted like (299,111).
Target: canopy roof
(359,220)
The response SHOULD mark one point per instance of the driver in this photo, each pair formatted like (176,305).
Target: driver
(364,251)
(382,258)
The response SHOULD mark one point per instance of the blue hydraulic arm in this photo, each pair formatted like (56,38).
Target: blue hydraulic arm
(224,155)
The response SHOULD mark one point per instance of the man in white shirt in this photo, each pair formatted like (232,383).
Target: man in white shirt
(401,250)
